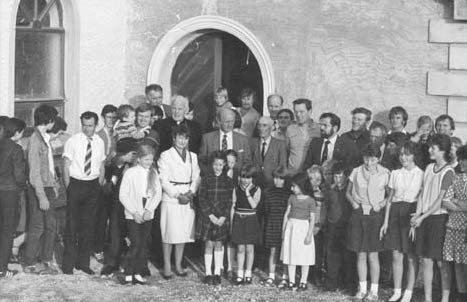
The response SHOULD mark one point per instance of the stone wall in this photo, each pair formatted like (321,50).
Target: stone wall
(339,53)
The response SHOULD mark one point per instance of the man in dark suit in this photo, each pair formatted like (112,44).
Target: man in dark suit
(180,107)
(154,94)
(224,139)
(268,153)
(331,146)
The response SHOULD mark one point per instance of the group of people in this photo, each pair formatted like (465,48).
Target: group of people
(153,179)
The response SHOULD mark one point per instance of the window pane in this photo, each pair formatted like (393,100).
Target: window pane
(38,65)
(25,110)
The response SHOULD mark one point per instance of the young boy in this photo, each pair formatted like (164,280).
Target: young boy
(12,180)
(42,195)
(126,152)
(338,213)
(125,125)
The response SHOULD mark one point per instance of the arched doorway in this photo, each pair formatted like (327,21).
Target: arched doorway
(212,60)
(178,38)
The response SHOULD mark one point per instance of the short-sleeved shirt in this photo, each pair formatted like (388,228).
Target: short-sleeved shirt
(300,208)
(433,183)
(298,140)
(369,189)
(75,151)
(406,184)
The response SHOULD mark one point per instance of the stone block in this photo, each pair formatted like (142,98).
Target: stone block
(451,83)
(457,108)
(458,56)
(447,31)
(460,9)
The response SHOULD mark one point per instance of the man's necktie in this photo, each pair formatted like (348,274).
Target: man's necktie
(263,150)
(324,157)
(224,143)
(87,158)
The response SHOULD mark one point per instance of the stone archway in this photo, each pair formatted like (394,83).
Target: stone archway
(172,44)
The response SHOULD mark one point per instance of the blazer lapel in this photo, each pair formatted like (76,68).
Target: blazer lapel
(216,140)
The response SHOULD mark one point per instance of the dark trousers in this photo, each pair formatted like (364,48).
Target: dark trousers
(104,209)
(339,261)
(117,232)
(42,229)
(9,215)
(137,256)
(80,221)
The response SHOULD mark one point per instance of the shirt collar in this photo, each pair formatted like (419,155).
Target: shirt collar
(332,140)
(267,140)
(227,133)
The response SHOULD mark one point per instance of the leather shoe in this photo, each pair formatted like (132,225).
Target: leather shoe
(86,270)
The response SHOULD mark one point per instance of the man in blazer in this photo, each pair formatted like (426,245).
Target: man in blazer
(331,146)
(224,139)
(109,116)
(268,153)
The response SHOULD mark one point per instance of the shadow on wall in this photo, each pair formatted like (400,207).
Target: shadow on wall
(448,8)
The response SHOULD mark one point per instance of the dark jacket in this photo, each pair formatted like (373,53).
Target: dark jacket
(164,128)
(360,138)
(276,155)
(12,166)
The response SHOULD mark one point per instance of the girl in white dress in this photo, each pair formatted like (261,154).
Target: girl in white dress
(179,174)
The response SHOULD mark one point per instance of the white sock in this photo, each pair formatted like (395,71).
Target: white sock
(374,288)
(240,274)
(396,296)
(139,278)
(292,273)
(363,287)
(208,264)
(272,276)
(218,261)
(128,278)
(222,260)
(247,273)
(304,278)
(230,250)
(407,296)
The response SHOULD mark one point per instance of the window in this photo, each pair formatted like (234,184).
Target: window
(39,57)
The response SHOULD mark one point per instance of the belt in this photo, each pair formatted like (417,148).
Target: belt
(242,211)
(177,183)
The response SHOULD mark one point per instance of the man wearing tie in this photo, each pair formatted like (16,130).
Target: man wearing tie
(331,146)
(224,139)
(268,153)
(83,174)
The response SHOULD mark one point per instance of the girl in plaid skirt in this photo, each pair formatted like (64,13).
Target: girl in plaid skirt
(215,203)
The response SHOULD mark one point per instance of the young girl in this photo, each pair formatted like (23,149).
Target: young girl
(246,231)
(275,206)
(430,218)
(316,178)
(404,188)
(455,244)
(366,194)
(140,194)
(215,203)
(298,247)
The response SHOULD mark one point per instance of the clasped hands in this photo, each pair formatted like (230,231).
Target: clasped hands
(185,197)
(217,221)
(141,218)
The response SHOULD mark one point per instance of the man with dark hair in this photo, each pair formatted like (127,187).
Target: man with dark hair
(15,128)
(299,135)
(398,118)
(445,125)
(154,94)
(359,133)
(12,180)
(331,146)
(83,175)
(109,116)
(42,193)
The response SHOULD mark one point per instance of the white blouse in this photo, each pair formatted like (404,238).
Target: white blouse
(406,184)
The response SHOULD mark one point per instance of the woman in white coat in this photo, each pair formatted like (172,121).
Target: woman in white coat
(179,175)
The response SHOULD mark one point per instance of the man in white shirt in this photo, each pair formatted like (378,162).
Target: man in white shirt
(84,156)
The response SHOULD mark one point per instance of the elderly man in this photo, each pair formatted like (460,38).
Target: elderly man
(275,103)
(154,94)
(180,108)
(331,146)
(268,152)
(299,135)
(225,139)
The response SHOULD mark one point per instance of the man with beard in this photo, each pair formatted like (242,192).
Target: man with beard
(331,146)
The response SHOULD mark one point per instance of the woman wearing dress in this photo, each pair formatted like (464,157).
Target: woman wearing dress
(179,174)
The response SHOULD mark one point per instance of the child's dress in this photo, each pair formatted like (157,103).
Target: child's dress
(215,197)
(275,205)
(245,224)
(294,250)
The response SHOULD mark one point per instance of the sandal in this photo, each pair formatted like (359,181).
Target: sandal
(269,282)
(8,274)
